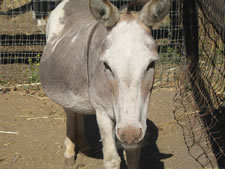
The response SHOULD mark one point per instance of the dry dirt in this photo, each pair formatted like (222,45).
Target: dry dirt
(32,132)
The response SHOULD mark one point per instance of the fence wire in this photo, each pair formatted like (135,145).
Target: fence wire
(200,109)
(22,29)
(213,10)
(22,40)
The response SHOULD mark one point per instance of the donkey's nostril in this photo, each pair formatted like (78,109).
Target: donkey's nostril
(138,135)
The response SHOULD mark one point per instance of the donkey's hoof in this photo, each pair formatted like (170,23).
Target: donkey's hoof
(69,162)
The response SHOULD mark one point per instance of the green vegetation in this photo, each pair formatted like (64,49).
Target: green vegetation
(33,70)
(170,55)
(2,79)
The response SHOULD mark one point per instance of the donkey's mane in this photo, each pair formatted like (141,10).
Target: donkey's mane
(135,5)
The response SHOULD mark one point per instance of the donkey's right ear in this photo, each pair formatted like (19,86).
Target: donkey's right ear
(154,11)
(105,12)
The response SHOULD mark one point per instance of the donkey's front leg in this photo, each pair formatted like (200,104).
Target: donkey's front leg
(106,126)
(133,157)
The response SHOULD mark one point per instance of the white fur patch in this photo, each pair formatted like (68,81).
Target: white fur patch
(129,41)
(71,33)
(41,22)
(56,23)
(56,41)
(129,53)
(74,38)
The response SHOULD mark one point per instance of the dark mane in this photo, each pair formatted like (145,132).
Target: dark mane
(136,5)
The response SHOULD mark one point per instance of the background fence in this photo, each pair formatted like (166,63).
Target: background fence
(20,37)
(22,40)
(192,59)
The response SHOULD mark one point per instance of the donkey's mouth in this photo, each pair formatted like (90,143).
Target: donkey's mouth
(127,146)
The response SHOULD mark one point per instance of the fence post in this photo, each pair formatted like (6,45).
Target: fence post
(201,95)
(191,36)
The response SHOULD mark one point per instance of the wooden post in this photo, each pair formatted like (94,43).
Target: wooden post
(190,23)
(201,95)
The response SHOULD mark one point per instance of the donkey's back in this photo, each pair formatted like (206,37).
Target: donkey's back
(63,68)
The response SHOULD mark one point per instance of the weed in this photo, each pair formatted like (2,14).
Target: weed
(2,79)
(170,55)
(33,70)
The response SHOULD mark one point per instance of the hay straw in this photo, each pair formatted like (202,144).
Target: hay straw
(20,85)
(171,122)
(6,144)
(160,82)
(8,132)
(36,97)
(43,117)
(28,85)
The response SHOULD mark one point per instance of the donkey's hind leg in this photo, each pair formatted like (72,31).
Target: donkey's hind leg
(70,150)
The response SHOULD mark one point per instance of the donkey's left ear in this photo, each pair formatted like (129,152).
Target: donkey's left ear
(104,12)
(154,11)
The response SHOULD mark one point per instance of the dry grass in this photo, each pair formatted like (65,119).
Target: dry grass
(11,4)
(21,24)
(21,48)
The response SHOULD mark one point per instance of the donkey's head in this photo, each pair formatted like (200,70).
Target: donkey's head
(129,55)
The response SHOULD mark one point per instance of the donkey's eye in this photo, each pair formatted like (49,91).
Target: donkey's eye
(107,67)
(151,65)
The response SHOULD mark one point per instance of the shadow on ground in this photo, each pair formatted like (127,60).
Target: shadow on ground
(150,155)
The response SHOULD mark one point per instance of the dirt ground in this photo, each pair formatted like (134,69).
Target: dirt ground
(32,132)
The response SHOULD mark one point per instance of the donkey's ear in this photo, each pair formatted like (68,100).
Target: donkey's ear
(104,12)
(154,11)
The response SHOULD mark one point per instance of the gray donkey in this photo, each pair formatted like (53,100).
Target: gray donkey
(99,60)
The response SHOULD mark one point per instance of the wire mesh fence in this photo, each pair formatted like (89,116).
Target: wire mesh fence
(22,36)
(22,32)
(201,90)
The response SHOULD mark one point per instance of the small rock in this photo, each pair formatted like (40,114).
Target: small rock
(2,159)
(15,157)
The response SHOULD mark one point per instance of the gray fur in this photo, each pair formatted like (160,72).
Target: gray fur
(73,75)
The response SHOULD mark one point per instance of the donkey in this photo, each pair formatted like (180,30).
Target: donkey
(99,60)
